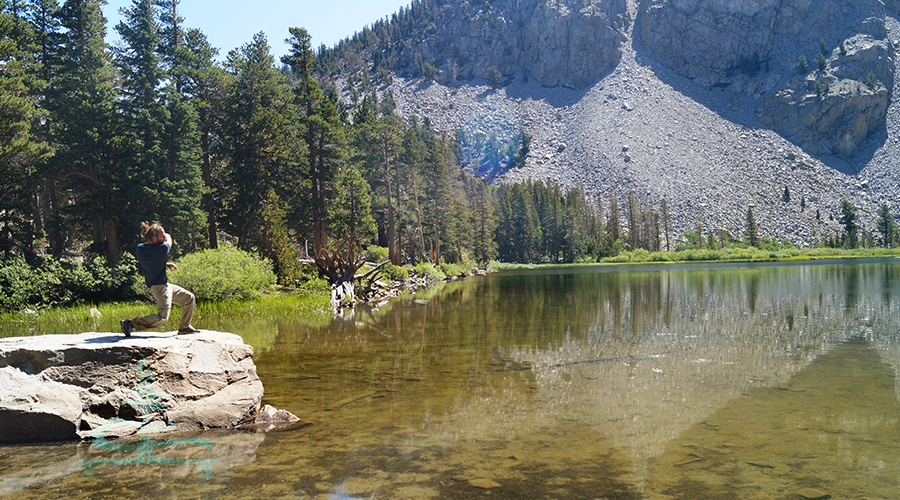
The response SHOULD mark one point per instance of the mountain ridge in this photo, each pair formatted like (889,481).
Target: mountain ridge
(648,128)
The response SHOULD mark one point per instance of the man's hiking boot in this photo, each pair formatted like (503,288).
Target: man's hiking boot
(127,327)
(187,330)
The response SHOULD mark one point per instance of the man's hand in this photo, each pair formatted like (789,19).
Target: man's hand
(171,265)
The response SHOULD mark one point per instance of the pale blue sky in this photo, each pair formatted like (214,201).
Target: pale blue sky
(228,24)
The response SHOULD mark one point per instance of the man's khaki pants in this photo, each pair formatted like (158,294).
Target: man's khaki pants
(165,296)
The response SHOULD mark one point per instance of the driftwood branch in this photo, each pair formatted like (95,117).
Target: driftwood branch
(340,270)
(374,270)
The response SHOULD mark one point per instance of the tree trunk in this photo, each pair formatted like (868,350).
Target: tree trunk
(209,201)
(343,294)
(418,212)
(112,237)
(393,254)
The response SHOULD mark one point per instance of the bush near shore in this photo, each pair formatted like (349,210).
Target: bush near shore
(222,274)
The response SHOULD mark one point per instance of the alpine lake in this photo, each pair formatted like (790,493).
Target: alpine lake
(709,381)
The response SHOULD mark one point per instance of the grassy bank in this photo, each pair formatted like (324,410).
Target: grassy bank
(310,305)
(732,254)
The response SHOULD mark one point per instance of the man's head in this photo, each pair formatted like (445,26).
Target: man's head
(152,233)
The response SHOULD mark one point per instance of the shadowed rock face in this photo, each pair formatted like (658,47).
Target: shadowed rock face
(755,47)
(101,385)
(567,43)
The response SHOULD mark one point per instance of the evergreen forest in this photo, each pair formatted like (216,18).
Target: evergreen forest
(263,154)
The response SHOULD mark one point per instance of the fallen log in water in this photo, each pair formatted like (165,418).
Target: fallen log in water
(635,357)
(351,399)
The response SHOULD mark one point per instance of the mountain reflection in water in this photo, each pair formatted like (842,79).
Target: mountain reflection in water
(721,381)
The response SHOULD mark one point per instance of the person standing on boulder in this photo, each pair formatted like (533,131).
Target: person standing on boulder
(152,255)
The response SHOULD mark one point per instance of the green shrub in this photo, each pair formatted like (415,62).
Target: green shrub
(376,253)
(224,273)
(17,284)
(456,269)
(622,258)
(49,282)
(427,270)
(640,255)
(661,256)
(394,273)
(697,255)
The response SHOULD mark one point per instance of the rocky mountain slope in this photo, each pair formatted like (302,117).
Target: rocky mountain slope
(701,103)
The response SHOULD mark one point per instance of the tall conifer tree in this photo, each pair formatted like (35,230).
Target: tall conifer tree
(886,225)
(751,229)
(322,133)
(20,147)
(164,168)
(260,139)
(85,127)
(205,83)
(43,16)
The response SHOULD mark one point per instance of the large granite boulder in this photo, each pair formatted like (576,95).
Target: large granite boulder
(759,47)
(102,385)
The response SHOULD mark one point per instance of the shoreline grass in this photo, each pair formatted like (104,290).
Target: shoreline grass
(729,255)
(312,305)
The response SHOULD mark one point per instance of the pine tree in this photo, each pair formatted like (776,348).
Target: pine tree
(164,162)
(526,227)
(484,245)
(274,239)
(259,138)
(89,158)
(43,17)
(750,229)
(849,221)
(20,148)
(376,146)
(886,225)
(438,212)
(576,224)
(205,85)
(173,50)
(411,158)
(667,222)
(350,213)
(322,132)
(613,226)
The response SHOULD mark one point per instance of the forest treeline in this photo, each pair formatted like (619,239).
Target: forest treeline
(97,139)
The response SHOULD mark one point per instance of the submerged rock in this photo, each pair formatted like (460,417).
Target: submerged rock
(103,385)
(812,494)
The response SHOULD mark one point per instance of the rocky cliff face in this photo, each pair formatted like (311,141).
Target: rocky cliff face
(710,128)
(823,68)
(560,43)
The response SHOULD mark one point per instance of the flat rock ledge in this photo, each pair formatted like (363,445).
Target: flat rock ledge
(106,385)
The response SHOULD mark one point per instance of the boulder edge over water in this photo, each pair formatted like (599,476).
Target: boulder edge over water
(104,385)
